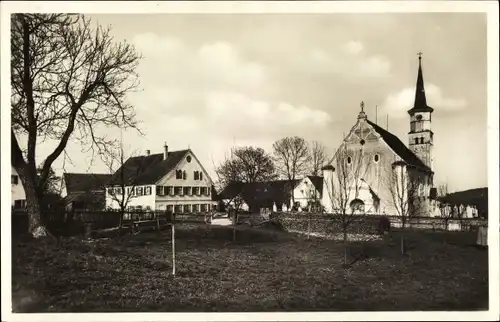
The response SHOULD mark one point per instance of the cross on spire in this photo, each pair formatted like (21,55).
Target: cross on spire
(362,105)
(419,54)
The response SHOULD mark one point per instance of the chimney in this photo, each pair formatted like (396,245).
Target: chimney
(148,152)
(165,152)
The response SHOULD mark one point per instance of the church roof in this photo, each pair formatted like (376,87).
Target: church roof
(420,104)
(399,147)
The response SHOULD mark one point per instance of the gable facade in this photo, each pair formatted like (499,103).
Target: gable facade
(18,196)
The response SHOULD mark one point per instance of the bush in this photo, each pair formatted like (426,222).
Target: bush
(383,225)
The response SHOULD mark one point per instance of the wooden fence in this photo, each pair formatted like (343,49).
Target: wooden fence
(69,223)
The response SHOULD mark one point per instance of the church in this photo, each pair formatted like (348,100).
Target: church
(374,172)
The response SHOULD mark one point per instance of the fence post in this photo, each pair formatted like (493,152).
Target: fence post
(308,225)
(173,249)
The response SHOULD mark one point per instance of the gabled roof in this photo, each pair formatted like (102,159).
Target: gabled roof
(317,181)
(278,190)
(84,182)
(399,147)
(147,169)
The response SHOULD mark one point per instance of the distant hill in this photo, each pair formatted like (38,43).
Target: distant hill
(477,197)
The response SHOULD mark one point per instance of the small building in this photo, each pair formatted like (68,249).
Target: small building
(173,181)
(258,196)
(85,191)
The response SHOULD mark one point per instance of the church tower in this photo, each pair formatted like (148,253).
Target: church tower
(421,136)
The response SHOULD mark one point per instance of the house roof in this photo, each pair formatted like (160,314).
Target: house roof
(79,182)
(278,190)
(147,169)
(317,181)
(399,147)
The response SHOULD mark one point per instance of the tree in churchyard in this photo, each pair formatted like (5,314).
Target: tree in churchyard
(317,152)
(245,165)
(292,157)
(403,186)
(69,81)
(343,185)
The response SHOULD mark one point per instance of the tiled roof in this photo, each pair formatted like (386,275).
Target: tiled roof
(317,181)
(399,147)
(147,169)
(78,182)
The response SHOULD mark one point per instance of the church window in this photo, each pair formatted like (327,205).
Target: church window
(421,140)
(349,160)
(376,157)
(416,140)
(362,142)
(184,175)
(188,159)
(419,117)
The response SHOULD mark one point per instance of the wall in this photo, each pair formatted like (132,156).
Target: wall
(134,201)
(162,202)
(17,190)
(305,192)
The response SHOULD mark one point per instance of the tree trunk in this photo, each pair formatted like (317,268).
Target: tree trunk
(402,245)
(36,227)
(235,220)
(345,245)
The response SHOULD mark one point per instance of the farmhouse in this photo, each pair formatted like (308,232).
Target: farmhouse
(85,191)
(172,181)
(276,194)
(375,172)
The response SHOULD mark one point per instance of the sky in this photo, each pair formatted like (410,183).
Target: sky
(213,81)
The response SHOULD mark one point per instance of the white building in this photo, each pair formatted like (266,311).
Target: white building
(17,191)
(172,181)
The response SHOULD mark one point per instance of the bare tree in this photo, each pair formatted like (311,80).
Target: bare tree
(317,158)
(246,165)
(292,157)
(343,187)
(121,189)
(68,80)
(403,185)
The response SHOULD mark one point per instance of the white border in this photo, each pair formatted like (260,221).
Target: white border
(490,7)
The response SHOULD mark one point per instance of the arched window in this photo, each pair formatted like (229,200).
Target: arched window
(421,140)
(349,160)
(416,140)
(184,175)
(376,158)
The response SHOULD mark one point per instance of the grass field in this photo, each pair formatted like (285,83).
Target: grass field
(262,271)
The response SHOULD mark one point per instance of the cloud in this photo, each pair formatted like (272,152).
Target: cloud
(353,47)
(348,60)
(217,64)
(237,113)
(398,102)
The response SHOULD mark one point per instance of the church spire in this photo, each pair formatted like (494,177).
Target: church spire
(420,104)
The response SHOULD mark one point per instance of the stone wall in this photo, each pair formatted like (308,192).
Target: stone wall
(325,224)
